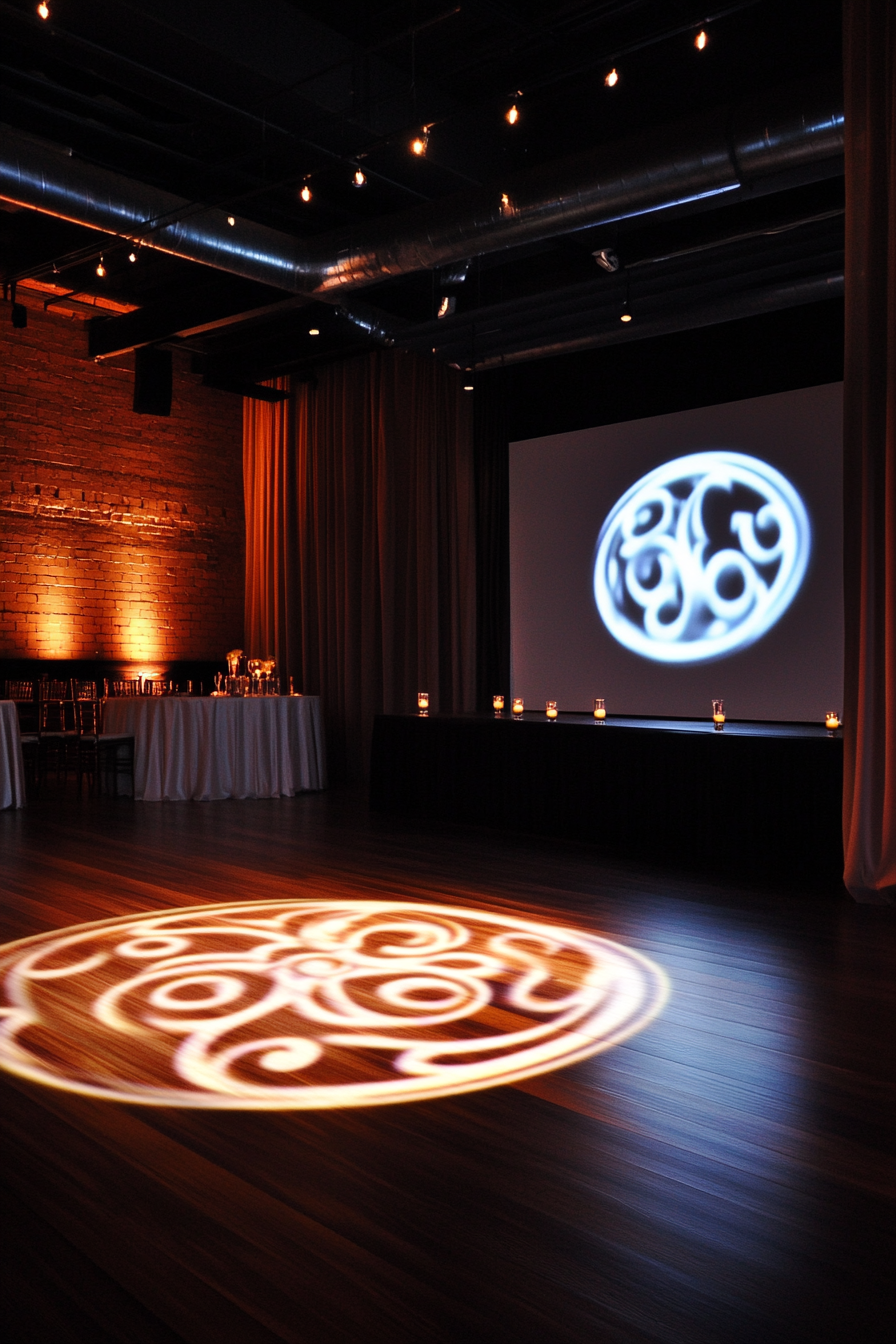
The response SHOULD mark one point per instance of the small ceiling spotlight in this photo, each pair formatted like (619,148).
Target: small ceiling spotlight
(468,380)
(701,40)
(447,306)
(305,193)
(100,268)
(230,220)
(359,179)
(420,143)
(512,115)
(607,259)
(43,9)
(132,256)
(612,79)
(314,331)
(625,315)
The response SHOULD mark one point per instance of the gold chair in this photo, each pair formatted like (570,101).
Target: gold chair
(99,753)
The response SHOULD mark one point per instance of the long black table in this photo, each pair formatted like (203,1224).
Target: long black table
(761,799)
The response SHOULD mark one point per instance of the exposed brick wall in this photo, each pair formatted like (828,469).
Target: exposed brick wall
(121,536)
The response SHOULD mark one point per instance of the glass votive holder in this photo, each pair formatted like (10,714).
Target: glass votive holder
(498,704)
(832,720)
(423,699)
(550,709)
(600,709)
(718,712)
(517,707)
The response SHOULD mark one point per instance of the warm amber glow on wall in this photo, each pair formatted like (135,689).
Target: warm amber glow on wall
(121,535)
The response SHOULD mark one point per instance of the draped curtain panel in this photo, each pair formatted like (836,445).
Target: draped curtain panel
(361,554)
(869,792)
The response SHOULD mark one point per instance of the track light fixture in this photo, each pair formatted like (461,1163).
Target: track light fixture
(305,193)
(625,315)
(612,79)
(231,221)
(359,179)
(512,115)
(701,40)
(468,380)
(43,9)
(101,268)
(447,305)
(420,143)
(607,259)
(132,256)
(314,331)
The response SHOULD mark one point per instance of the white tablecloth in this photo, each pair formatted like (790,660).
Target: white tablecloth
(12,770)
(209,748)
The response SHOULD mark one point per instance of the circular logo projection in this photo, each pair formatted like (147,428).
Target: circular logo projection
(299,1004)
(701,557)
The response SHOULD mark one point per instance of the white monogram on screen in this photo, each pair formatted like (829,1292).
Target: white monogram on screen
(285,1004)
(701,557)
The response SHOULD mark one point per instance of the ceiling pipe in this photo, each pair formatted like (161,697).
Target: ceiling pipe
(793,136)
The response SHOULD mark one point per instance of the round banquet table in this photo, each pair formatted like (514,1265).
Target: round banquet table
(12,769)
(221,747)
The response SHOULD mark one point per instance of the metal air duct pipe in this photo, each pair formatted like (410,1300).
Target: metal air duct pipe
(794,136)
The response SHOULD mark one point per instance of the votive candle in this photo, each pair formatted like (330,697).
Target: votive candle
(517,706)
(600,709)
(550,708)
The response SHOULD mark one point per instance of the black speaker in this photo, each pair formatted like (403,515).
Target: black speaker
(152,381)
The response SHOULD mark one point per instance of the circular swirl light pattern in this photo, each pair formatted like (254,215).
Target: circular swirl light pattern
(701,557)
(278,1005)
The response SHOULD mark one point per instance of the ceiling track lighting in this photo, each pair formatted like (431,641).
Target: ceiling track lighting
(447,305)
(101,269)
(612,79)
(512,115)
(359,179)
(468,380)
(132,256)
(625,315)
(420,143)
(305,193)
(701,40)
(607,259)
(314,331)
(43,9)
(231,221)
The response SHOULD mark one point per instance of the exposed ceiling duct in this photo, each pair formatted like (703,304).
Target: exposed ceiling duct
(795,136)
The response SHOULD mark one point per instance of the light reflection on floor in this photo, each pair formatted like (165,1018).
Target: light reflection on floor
(302,1004)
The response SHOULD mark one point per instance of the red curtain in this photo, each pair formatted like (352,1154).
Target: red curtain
(869,792)
(361,558)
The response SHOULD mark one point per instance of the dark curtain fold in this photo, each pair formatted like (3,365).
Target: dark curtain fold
(869,784)
(492,470)
(361,555)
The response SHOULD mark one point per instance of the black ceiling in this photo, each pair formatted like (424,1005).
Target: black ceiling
(238,104)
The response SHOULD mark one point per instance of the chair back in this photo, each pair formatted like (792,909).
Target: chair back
(88,717)
(125,687)
(20,691)
(53,716)
(49,689)
(83,690)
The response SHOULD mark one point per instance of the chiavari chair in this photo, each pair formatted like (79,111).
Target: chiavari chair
(99,753)
(22,695)
(56,729)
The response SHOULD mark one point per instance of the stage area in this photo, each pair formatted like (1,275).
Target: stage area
(757,798)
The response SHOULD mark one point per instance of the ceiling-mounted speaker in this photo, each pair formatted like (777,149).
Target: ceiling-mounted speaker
(152,381)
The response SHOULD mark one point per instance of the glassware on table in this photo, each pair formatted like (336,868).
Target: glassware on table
(600,709)
(517,706)
(423,701)
(233,661)
(498,704)
(253,667)
(550,709)
(718,714)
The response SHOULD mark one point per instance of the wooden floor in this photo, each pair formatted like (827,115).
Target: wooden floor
(726,1175)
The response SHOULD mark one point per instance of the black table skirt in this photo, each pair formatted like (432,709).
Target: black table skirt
(761,800)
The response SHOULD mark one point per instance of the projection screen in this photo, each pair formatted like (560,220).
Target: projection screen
(663,562)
